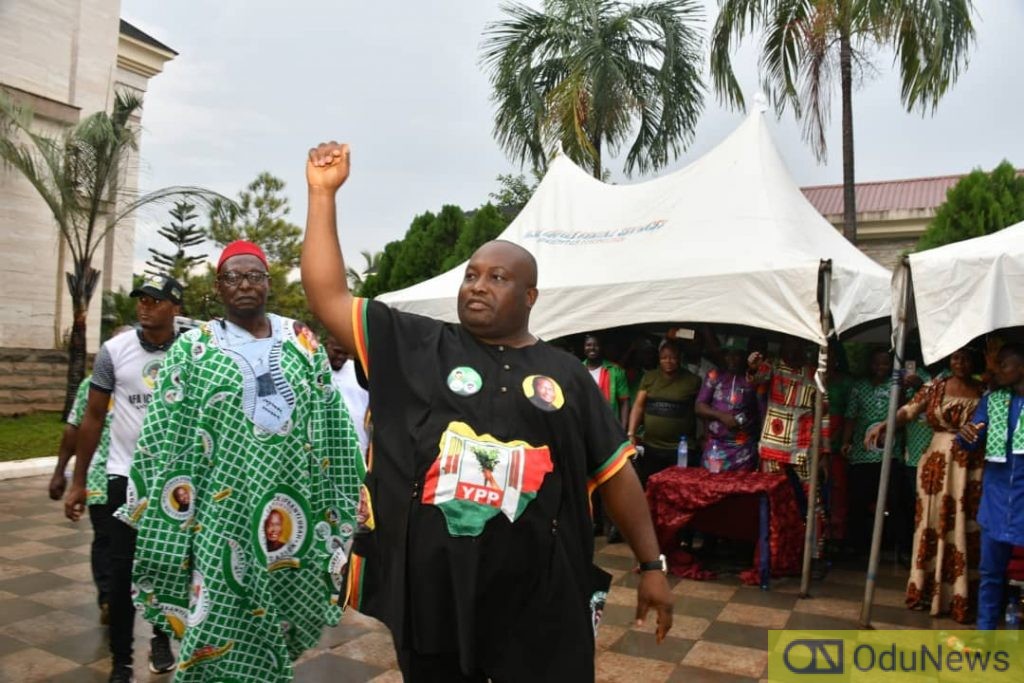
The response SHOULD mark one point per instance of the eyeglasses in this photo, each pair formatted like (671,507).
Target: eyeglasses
(233,279)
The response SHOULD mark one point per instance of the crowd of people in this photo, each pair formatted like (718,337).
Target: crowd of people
(739,411)
(246,481)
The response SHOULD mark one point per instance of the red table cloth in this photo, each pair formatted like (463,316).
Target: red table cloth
(726,504)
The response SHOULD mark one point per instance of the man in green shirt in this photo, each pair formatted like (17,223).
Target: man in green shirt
(610,378)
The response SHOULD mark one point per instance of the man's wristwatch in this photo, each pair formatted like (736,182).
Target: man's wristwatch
(659,564)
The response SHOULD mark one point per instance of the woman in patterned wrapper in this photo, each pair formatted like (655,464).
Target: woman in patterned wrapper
(946,536)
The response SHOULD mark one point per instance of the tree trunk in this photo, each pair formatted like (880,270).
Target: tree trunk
(846,78)
(81,285)
(597,156)
(76,353)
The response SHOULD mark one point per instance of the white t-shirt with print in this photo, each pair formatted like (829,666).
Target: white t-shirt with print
(128,372)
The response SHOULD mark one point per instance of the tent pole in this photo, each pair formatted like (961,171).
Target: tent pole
(810,531)
(899,337)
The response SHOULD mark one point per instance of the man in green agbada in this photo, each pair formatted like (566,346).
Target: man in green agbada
(244,488)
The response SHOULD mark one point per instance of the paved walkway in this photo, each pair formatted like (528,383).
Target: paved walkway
(49,623)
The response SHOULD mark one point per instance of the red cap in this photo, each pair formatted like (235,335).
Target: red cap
(242,248)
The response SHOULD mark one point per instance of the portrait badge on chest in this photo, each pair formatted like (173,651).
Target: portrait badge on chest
(464,381)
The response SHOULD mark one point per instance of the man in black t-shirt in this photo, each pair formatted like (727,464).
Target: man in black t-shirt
(487,443)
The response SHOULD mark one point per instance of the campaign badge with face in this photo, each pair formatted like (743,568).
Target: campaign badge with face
(281,528)
(543,392)
(464,381)
(150,371)
(177,498)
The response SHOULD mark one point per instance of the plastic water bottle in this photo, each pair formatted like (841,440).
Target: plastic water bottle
(1013,612)
(682,452)
(715,459)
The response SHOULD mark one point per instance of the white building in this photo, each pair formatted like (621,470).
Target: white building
(65,59)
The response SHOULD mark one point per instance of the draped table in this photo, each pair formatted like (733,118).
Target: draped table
(737,505)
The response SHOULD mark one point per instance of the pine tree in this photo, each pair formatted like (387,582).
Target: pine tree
(182,233)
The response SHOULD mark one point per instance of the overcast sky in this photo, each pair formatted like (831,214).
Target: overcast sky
(257,83)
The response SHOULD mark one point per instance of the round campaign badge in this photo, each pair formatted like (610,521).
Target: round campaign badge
(234,566)
(198,600)
(205,442)
(177,498)
(464,381)
(217,398)
(543,392)
(282,528)
(150,371)
(336,567)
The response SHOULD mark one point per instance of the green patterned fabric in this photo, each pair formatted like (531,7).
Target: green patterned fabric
(868,406)
(919,433)
(96,478)
(243,533)
(999,427)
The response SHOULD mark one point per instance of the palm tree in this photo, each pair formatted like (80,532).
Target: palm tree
(78,174)
(584,74)
(357,279)
(805,42)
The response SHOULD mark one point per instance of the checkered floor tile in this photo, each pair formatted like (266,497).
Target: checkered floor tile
(49,623)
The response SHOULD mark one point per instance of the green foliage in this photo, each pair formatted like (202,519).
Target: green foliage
(118,309)
(200,299)
(980,204)
(801,41)
(483,225)
(429,241)
(432,245)
(183,233)
(585,74)
(260,216)
(514,191)
(357,277)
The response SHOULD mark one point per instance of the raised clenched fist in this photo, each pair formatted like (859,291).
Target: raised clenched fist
(327,167)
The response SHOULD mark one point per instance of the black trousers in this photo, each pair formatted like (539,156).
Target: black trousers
(863,484)
(121,557)
(439,668)
(903,500)
(653,460)
(99,556)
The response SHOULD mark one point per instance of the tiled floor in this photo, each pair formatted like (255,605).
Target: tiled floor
(49,629)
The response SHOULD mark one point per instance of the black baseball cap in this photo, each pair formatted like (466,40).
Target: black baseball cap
(161,287)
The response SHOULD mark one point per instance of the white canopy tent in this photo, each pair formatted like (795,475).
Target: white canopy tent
(729,239)
(966,289)
(960,291)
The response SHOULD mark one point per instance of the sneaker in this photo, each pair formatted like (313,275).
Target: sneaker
(105,613)
(121,673)
(161,659)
